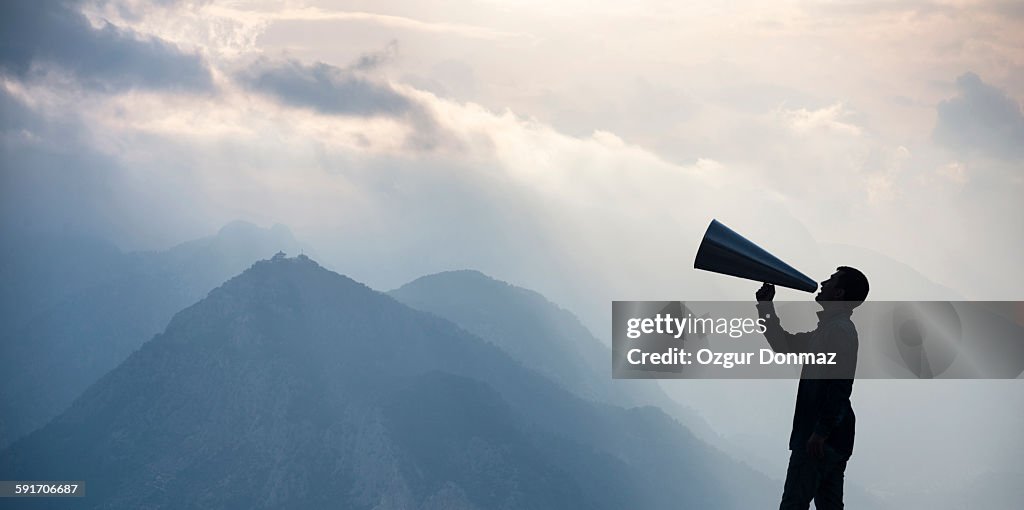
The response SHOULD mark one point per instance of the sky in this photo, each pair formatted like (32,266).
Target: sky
(586,139)
(576,148)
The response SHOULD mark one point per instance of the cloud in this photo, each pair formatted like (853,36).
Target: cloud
(981,119)
(107,57)
(332,90)
(14,115)
(384,20)
(584,218)
(324,88)
(830,118)
(373,60)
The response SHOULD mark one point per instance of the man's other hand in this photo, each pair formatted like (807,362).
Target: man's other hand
(816,446)
(765,293)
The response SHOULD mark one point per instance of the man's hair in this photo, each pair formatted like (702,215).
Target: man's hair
(854,284)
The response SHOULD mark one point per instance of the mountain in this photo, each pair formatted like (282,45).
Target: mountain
(75,307)
(523,323)
(39,270)
(294,387)
(551,340)
(540,335)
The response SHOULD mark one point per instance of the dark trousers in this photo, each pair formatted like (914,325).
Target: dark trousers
(809,479)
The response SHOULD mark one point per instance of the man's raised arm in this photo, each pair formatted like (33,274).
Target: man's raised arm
(779,339)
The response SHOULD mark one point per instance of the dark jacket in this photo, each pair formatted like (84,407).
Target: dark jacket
(823,397)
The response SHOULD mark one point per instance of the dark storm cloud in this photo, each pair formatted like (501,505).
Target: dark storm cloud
(334,90)
(324,88)
(106,58)
(981,119)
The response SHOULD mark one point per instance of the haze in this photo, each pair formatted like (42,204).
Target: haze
(575,148)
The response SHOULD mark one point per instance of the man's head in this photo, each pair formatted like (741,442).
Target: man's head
(846,284)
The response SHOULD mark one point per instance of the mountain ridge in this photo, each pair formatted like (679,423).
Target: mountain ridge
(91,305)
(289,376)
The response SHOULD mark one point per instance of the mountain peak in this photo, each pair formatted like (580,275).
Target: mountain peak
(465,280)
(298,270)
(520,321)
(456,274)
(237,226)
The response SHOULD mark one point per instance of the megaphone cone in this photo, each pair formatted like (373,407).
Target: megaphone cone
(724,251)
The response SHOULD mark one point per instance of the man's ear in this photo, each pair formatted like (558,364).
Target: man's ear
(839,294)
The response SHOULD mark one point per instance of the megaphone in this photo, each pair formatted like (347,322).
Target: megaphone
(724,251)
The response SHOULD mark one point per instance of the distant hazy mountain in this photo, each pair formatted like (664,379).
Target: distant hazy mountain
(540,335)
(294,387)
(39,270)
(74,307)
(524,324)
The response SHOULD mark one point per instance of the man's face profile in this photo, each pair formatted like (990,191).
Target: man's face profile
(830,290)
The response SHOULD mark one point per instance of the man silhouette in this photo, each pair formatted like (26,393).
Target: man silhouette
(823,421)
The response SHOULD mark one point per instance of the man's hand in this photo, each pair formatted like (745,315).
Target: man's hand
(816,446)
(765,293)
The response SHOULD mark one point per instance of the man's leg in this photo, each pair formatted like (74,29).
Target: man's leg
(802,480)
(830,490)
